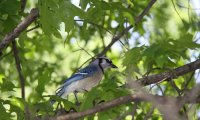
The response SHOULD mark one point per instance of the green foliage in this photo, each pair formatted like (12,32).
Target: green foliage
(161,54)
(9,15)
(7,85)
(49,54)
(42,81)
(58,11)
(5,115)
(97,94)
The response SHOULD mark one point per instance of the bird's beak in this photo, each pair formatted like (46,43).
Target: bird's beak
(113,66)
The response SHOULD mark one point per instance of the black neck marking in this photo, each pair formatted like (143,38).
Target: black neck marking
(100,61)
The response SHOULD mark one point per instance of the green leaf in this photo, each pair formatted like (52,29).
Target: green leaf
(43,107)
(10,7)
(58,11)
(133,56)
(1,78)
(129,17)
(10,23)
(43,79)
(6,85)
(94,13)
(4,115)
(17,106)
(67,104)
(186,41)
(83,4)
(90,97)
(18,103)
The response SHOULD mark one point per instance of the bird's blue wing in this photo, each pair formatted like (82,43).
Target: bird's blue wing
(80,75)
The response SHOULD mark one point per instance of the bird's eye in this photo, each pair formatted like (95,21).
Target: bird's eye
(108,61)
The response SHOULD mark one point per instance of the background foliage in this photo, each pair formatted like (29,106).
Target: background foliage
(166,38)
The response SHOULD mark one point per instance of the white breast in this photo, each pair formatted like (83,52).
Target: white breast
(84,84)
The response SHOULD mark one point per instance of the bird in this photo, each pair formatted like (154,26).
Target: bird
(85,79)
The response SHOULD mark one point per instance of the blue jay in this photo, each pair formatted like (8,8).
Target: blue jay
(85,79)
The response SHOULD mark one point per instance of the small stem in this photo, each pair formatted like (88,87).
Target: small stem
(18,66)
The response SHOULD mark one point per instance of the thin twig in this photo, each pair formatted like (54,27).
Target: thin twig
(23,5)
(115,39)
(148,115)
(35,27)
(3,56)
(189,11)
(187,7)
(134,110)
(99,26)
(137,20)
(160,89)
(18,66)
(176,10)
(102,38)
(121,117)
(19,29)
(83,64)
(101,35)
(81,48)
(123,45)
(173,84)
(187,83)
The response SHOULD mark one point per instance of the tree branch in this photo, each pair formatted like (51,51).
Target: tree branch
(192,96)
(138,97)
(137,20)
(18,66)
(19,29)
(104,106)
(152,79)
(23,5)
(145,96)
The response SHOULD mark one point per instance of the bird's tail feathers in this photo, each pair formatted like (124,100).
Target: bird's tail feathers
(59,92)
